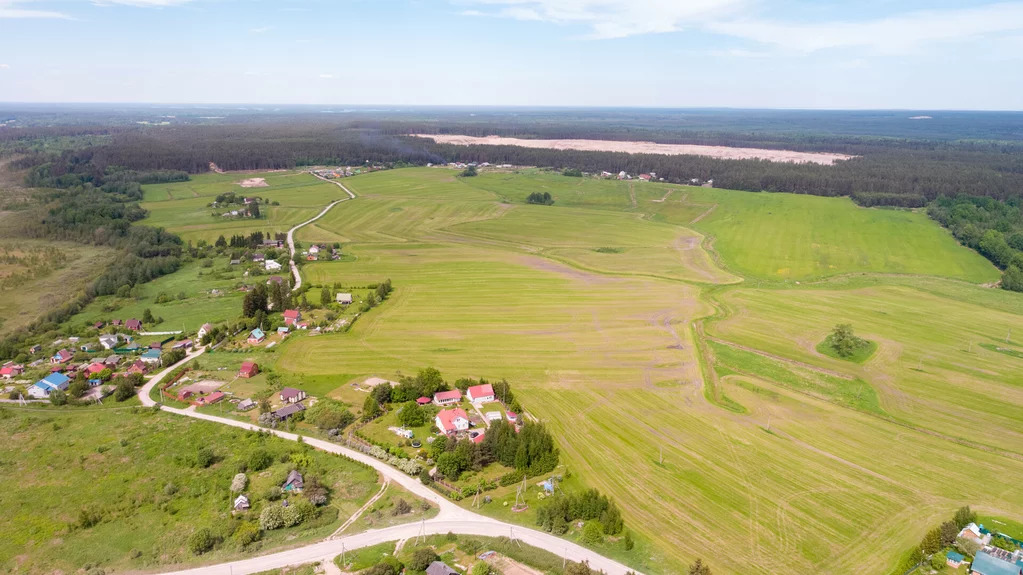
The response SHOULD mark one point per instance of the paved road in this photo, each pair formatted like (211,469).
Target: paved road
(291,232)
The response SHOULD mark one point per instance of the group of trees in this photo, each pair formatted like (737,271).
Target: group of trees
(530,452)
(844,341)
(540,198)
(991,226)
(941,537)
(558,512)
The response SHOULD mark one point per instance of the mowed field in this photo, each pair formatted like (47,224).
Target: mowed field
(611,319)
(182,207)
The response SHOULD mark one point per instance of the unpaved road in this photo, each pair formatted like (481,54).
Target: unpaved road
(291,232)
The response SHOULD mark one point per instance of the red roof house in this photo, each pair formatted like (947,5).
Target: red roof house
(11,370)
(211,398)
(133,324)
(483,392)
(291,316)
(452,420)
(95,368)
(447,397)
(248,369)
(138,367)
(62,356)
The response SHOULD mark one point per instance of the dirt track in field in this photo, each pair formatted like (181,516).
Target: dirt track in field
(720,152)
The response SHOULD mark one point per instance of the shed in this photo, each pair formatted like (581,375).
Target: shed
(423,401)
(440,568)
(294,482)
(288,410)
(246,404)
(241,503)
(954,559)
(344,298)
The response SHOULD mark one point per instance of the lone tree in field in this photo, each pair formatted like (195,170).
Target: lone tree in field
(469,172)
(845,341)
(698,568)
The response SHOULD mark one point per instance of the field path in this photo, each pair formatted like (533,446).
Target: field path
(291,232)
(451,517)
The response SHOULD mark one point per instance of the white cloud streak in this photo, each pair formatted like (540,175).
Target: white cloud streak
(14,9)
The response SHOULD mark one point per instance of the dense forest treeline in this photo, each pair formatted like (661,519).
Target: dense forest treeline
(76,203)
(887,170)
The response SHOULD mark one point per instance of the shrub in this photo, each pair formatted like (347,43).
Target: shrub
(239,482)
(401,507)
(628,542)
(205,457)
(273,493)
(593,533)
(125,390)
(421,559)
(201,541)
(292,516)
(260,460)
(272,517)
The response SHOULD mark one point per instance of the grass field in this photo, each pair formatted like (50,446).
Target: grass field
(606,353)
(182,207)
(617,312)
(135,470)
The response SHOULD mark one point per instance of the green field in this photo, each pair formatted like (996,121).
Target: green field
(182,207)
(644,321)
(134,470)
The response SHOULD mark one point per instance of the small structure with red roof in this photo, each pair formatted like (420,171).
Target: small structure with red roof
(133,324)
(512,417)
(423,400)
(480,393)
(95,368)
(452,420)
(139,367)
(11,370)
(477,436)
(291,316)
(62,356)
(211,398)
(248,369)
(447,397)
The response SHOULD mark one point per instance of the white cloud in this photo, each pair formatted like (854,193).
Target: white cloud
(616,18)
(261,29)
(5,66)
(326,76)
(142,3)
(894,34)
(12,9)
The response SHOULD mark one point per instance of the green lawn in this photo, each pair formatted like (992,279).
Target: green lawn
(134,470)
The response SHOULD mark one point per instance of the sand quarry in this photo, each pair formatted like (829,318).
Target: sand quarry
(254,183)
(720,152)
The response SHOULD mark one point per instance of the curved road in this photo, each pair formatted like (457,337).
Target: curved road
(451,517)
(291,232)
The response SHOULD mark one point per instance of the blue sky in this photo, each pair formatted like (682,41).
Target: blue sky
(937,54)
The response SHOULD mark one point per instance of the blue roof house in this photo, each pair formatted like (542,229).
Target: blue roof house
(47,385)
(151,356)
(987,564)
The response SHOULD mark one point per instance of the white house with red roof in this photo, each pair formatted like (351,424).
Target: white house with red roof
(480,393)
(452,420)
(11,370)
(292,316)
(447,397)
(62,356)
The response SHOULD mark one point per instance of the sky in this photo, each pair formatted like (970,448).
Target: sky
(834,54)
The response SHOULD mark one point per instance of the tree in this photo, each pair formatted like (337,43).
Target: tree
(272,517)
(628,542)
(481,568)
(964,516)
(578,568)
(698,568)
(593,533)
(1012,279)
(254,209)
(78,388)
(931,542)
(147,316)
(221,242)
(325,296)
(255,301)
(469,172)
(381,393)
(370,408)
(247,533)
(259,460)
(205,457)
(949,532)
(967,546)
(329,414)
(447,465)
(58,397)
(412,415)
(844,341)
(201,541)
(421,559)
(125,390)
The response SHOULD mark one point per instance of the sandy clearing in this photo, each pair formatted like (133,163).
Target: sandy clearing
(720,152)
(254,183)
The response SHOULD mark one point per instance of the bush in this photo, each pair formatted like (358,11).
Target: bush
(627,541)
(201,541)
(247,533)
(239,482)
(272,517)
(421,559)
(401,507)
(125,390)
(205,457)
(593,533)
(260,460)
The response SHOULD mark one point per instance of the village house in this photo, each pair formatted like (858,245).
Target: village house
(47,385)
(246,404)
(140,367)
(294,482)
(292,316)
(184,344)
(248,369)
(275,280)
(283,330)
(973,533)
(95,368)
(480,393)
(512,417)
(108,341)
(151,357)
(241,503)
(292,395)
(452,420)
(205,329)
(35,349)
(211,398)
(235,262)
(155,345)
(440,568)
(954,559)
(133,324)
(447,397)
(287,411)
(272,266)
(644,177)
(344,298)
(258,257)
(116,322)
(62,356)
(256,336)
(994,561)
(10,370)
